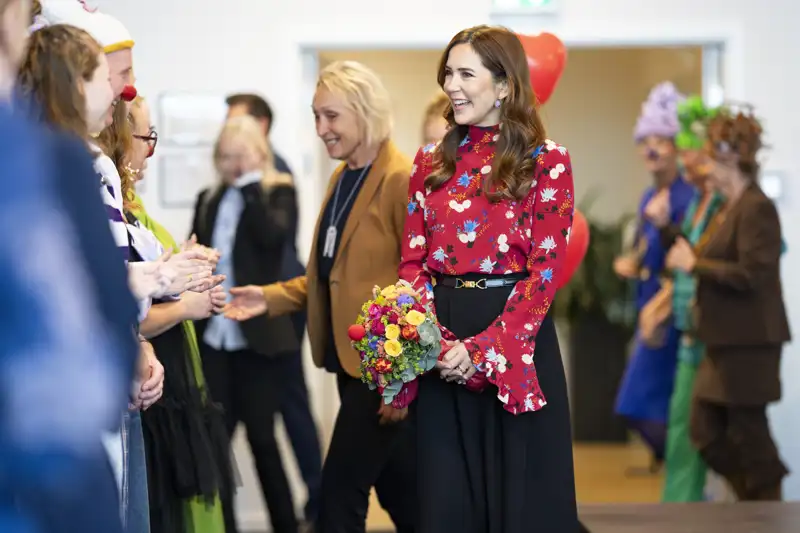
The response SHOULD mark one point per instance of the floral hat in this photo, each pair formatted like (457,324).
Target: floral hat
(693,116)
(659,116)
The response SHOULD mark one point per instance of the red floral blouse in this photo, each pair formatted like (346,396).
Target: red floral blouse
(455,230)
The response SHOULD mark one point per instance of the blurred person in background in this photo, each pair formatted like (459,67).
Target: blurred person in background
(188,464)
(295,406)
(356,246)
(739,315)
(644,394)
(434,123)
(248,217)
(685,471)
(251,104)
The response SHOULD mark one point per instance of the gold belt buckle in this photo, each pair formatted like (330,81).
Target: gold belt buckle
(461,284)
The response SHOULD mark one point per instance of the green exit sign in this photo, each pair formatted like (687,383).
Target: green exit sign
(530,7)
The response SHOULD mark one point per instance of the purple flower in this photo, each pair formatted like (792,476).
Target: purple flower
(405,299)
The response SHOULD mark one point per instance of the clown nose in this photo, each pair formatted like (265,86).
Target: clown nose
(128,93)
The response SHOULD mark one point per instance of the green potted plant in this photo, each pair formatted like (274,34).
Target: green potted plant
(598,307)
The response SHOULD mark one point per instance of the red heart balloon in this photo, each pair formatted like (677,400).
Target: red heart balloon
(576,248)
(547,56)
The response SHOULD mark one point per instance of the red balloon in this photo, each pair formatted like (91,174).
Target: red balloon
(547,56)
(576,248)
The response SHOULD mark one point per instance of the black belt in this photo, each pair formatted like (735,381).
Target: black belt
(488,282)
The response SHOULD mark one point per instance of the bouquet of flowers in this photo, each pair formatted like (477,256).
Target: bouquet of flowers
(398,339)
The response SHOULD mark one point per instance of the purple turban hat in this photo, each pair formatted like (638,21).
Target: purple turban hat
(659,114)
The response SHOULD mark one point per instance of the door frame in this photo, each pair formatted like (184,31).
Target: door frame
(723,51)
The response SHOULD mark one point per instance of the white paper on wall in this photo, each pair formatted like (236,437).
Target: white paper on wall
(182,173)
(190,119)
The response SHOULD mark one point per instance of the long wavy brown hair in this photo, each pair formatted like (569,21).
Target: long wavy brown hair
(58,58)
(736,135)
(522,129)
(117,143)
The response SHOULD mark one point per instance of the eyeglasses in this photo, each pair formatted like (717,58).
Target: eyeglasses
(151,139)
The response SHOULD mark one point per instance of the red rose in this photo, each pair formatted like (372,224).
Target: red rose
(377,328)
(356,332)
(409,333)
(383,365)
(418,307)
(386,309)
(392,318)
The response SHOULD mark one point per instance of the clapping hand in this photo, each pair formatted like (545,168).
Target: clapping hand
(150,279)
(626,267)
(190,271)
(218,300)
(456,365)
(212,255)
(248,302)
(149,384)
(681,256)
(657,209)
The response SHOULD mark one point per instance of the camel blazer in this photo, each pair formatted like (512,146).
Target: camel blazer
(368,255)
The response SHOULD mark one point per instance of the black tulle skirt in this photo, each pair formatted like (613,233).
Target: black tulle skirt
(186,443)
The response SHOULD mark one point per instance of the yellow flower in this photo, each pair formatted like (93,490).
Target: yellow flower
(415,318)
(406,289)
(389,292)
(393,348)
(392,332)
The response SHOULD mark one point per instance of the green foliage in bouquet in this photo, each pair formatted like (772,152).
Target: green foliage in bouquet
(397,337)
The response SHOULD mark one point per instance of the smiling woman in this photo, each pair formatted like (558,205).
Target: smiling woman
(490,208)
(357,246)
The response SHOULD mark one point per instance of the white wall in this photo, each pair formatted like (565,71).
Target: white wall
(235,45)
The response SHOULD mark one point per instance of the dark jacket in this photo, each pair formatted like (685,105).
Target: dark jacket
(740,313)
(269,219)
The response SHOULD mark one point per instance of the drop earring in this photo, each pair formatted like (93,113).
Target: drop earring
(497,103)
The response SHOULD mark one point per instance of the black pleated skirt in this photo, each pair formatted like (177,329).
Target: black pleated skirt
(482,469)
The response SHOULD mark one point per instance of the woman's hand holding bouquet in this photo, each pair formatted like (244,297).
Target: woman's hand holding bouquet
(398,339)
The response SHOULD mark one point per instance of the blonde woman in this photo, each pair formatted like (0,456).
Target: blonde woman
(187,447)
(434,123)
(356,246)
(248,218)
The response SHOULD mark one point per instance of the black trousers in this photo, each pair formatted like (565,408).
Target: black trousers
(249,389)
(295,409)
(364,454)
(735,441)
(482,469)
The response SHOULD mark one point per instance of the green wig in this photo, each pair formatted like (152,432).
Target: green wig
(693,116)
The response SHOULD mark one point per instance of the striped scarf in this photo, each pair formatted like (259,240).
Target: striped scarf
(111,193)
